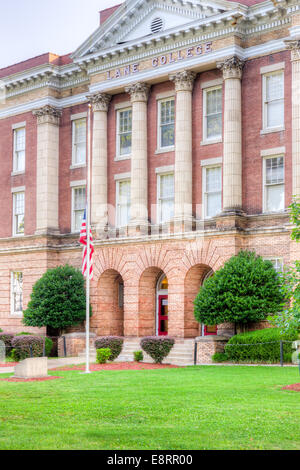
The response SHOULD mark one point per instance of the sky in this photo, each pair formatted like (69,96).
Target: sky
(32,27)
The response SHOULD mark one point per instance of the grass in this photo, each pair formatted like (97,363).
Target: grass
(207,407)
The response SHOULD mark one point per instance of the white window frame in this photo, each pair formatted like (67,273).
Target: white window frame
(74,188)
(273,260)
(168,148)
(265,211)
(265,128)
(118,181)
(12,310)
(16,191)
(126,156)
(74,145)
(15,151)
(204,192)
(211,140)
(158,198)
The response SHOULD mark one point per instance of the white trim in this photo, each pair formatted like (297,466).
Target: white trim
(166,95)
(80,165)
(205,139)
(12,312)
(212,83)
(126,156)
(73,188)
(15,151)
(165,169)
(18,125)
(122,176)
(17,173)
(123,105)
(274,258)
(158,198)
(159,148)
(273,152)
(204,192)
(74,148)
(76,117)
(272,130)
(212,161)
(265,128)
(272,68)
(18,189)
(264,201)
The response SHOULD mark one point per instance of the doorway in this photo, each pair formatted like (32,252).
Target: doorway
(162,310)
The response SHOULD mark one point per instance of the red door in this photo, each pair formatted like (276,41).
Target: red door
(210,330)
(162,315)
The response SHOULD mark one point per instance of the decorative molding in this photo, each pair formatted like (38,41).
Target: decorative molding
(184,81)
(19,189)
(165,169)
(231,67)
(272,68)
(212,83)
(74,117)
(122,105)
(18,125)
(79,183)
(122,176)
(273,152)
(212,161)
(48,115)
(294,47)
(100,101)
(138,91)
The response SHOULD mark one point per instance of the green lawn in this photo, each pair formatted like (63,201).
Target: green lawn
(192,408)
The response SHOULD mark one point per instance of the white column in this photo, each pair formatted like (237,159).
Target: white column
(184,83)
(294,46)
(99,211)
(139,93)
(48,120)
(232,154)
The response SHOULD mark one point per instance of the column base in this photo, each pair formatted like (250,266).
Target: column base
(183,224)
(47,231)
(138,228)
(231,219)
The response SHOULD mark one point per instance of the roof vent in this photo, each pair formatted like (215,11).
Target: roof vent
(157,25)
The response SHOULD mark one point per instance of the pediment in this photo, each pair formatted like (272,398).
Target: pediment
(136,20)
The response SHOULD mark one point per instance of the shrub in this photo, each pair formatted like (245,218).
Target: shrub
(57,299)
(219,357)
(158,347)
(7,339)
(22,344)
(1,330)
(246,289)
(138,356)
(48,341)
(114,343)
(103,355)
(246,347)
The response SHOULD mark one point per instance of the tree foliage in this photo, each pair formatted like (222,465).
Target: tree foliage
(57,299)
(246,289)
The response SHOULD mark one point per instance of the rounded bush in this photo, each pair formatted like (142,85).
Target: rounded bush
(260,346)
(138,356)
(7,339)
(219,357)
(22,344)
(103,355)
(114,343)
(158,347)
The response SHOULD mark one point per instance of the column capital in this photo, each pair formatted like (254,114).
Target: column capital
(184,80)
(99,101)
(48,114)
(294,46)
(231,67)
(138,91)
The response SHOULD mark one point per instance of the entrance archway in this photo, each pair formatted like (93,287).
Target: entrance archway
(109,316)
(193,281)
(153,298)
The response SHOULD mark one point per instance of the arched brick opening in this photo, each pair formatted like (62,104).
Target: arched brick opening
(147,301)
(108,313)
(192,283)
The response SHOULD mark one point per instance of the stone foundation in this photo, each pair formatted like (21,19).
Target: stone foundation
(209,345)
(75,344)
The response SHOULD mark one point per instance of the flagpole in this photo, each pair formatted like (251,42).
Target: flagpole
(88,231)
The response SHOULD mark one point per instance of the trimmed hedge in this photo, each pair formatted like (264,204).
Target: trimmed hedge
(158,347)
(103,355)
(138,356)
(114,343)
(219,357)
(7,339)
(260,346)
(21,346)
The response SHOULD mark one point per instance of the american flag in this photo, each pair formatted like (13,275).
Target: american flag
(83,241)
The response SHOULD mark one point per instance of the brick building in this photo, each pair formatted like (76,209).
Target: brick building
(195,136)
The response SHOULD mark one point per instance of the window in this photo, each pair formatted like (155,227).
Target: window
(212,191)
(165,196)
(274,184)
(78,208)
(124,126)
(79,142)
(123,203)
(273,94)
(166,123)
(16,293)
(19,150)
(212,119)
(277,263)
(18,213)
